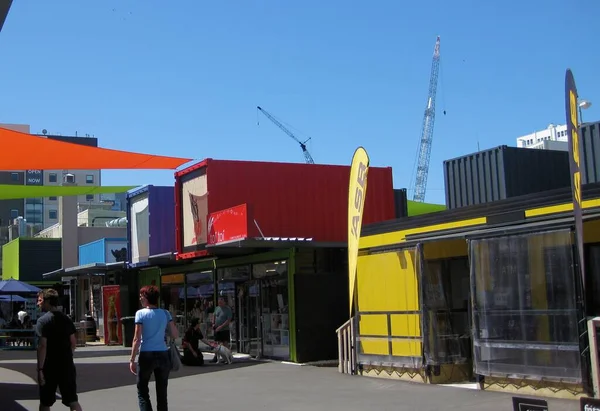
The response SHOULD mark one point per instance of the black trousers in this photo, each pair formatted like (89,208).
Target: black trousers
(159,364)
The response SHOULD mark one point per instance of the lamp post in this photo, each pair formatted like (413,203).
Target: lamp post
(583,105)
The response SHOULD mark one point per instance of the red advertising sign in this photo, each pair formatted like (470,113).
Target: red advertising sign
(227,225)
(111,308)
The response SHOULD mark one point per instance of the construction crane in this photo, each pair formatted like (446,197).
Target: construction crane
(427,130)
(307,157)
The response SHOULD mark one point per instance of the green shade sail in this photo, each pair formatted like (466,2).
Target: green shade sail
(14,192)
(417,208)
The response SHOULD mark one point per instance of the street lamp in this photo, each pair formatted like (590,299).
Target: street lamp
(583,105)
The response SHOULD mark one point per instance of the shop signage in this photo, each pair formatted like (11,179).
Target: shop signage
(34,177)
(227,225)
(589,404)
(357,191)
(529,404)
(575,165)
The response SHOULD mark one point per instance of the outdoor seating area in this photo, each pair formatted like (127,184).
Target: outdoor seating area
(18,313)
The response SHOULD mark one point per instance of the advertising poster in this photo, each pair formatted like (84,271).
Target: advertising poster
(111,308)
(356,200)
(575,165)
(194,201)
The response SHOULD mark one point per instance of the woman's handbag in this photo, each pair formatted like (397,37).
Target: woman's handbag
(173,351)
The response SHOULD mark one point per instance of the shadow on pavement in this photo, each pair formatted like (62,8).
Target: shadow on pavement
(93,377)
(16,355)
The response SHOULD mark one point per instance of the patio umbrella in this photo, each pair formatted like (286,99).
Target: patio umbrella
(17,287)
(13,298)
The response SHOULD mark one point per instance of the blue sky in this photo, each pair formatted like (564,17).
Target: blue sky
(185,79)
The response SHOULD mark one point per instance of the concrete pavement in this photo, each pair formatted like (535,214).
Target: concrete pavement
(105,383)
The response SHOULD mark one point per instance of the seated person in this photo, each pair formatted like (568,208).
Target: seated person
(191,354)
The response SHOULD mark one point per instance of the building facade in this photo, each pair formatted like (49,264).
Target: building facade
(538,139)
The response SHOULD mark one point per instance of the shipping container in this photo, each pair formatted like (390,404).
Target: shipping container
(151,227)
(282,199)
(503,172)
(103,251)
(401,203)
(26,259)
(590,138)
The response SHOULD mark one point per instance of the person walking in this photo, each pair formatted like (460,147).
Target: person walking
(56,345)
(151,324)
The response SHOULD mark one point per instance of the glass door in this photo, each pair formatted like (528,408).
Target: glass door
(249,319)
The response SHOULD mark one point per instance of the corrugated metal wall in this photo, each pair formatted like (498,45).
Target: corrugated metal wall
(503,172)
(590,138)
(38,256)
(93,252)
(162,219)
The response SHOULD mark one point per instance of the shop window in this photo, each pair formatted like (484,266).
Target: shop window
(172,296)
(524,310)
(200,296)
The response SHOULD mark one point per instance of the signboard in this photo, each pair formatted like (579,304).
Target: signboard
(111,309)
(357,192)
(575,165)
(194,205)
(227,225)
(115,251)
(529,404)
(34,177)
(589,404)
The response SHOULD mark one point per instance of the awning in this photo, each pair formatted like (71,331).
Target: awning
(86,269)
(250,245)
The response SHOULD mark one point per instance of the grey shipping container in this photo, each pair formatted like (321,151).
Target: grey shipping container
(503,172)
(590,139)
(38,256)
(400,202)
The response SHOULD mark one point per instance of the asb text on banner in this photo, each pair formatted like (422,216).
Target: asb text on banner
(356,201)
(575,164)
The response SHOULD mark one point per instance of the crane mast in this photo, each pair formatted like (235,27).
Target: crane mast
(427,130)
(307,157)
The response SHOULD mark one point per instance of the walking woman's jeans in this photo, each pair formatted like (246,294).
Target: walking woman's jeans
(159,364)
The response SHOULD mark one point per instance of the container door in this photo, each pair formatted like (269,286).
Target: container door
(249,319)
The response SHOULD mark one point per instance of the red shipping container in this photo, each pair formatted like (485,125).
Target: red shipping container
(285,199)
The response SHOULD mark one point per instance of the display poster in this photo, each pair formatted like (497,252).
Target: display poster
(356,200)
(194,200)
(111,308)
(139,227)
(575,165)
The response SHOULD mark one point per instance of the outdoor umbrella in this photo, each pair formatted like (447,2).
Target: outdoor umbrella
(13,298)
(17,287)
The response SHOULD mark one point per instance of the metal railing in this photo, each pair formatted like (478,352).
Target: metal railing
(347,347)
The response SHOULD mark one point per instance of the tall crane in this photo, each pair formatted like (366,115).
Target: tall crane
(427,130)
(307,157)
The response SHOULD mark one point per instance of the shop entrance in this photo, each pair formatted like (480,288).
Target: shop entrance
(249,318)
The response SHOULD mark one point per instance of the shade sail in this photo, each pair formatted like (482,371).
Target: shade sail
(418,208)
(30,152)
(10,192)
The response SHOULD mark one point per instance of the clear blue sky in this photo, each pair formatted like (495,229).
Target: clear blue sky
(183,77)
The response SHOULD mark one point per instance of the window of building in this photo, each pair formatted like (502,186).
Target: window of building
(14,213)
(52,198)
(14,176)
(89,197)
(89,179)
(52,178)
(52,214)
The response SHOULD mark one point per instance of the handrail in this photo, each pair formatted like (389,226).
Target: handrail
(346,347)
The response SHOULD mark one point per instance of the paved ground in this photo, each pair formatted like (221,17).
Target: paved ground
(105,383)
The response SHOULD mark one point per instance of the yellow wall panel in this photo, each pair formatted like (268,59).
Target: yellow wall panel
(374,346)
(407,348)
(445,249)
(373,324)
(387,282)
(405,325)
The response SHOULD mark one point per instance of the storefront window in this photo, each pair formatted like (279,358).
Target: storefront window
(525,315)
(172,296)
(200,295)
(274,308)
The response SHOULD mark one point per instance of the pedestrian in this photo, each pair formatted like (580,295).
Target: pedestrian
(192,355)
(223,317)
(151,325)
(56,344)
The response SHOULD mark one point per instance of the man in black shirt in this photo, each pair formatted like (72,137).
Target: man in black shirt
(56,344)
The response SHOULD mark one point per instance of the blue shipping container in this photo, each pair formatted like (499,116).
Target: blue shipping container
(103,251)
(150,222)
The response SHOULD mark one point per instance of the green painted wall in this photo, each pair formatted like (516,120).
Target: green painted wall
(10,260)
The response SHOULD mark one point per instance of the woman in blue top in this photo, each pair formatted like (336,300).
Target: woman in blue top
(151,325)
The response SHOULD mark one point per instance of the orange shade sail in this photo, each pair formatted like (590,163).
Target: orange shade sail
(21,151)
